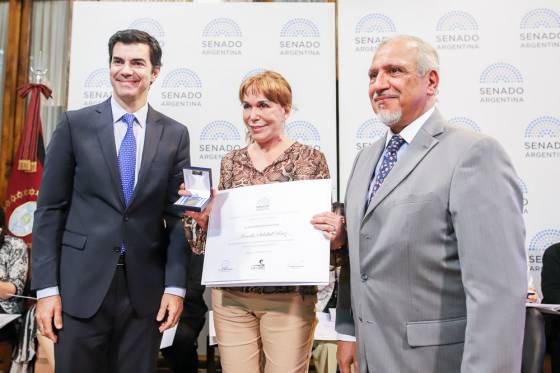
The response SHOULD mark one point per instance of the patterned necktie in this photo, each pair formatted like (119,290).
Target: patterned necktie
(127,163)
(389,160)
(127,158)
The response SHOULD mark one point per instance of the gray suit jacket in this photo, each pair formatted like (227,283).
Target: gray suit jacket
(81,218)
(437,261)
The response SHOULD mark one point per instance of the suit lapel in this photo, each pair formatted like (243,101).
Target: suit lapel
(106,137)
(154,129)
(420,146)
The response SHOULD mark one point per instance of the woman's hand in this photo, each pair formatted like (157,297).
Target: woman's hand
(201,218)
(332,226)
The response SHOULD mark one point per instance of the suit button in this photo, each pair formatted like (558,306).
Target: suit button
(364,277)
(116,249)
(125,217)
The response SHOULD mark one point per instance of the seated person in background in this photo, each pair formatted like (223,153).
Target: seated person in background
(182,355)
(550,285)
(13,275)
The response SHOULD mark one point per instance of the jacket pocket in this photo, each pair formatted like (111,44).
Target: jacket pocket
(74,240)
(437,332)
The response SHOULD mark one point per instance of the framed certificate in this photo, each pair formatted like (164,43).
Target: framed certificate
(198,181)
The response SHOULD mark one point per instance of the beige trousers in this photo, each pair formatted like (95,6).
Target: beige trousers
(271,333)
(324,356)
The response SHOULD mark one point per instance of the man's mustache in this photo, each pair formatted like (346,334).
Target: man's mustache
(381,96)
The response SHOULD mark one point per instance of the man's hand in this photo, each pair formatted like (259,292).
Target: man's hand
(346,356)
(172,305)
(49,309)
(333,227)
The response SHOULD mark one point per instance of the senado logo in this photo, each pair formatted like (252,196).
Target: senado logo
(97,87)
(299,37)
(501,83)
(525,195)
(181,87)
(98,79)
(304,132)
(539,243)
(152,27)
(222,36)
(369,132)
(540,28)
(542,138)
(371,30)
(465,123)
(263,204)
(457,30)
(217,138)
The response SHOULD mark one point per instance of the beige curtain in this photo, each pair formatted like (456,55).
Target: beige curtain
(3,44)
(50,30)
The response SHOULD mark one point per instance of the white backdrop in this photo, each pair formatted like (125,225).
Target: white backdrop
(499,75)
(499,63)
(208,50)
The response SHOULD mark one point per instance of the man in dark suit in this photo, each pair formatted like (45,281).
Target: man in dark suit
(109,256)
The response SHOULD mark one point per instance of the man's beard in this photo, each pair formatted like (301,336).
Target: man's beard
(389,117)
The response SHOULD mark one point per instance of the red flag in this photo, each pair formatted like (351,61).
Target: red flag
(27,167)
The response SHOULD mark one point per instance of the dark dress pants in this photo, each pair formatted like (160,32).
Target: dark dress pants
(182,355)
(114,340)
(552,327)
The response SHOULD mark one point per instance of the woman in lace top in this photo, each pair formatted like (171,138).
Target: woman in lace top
(13,270)
(274,323)
(13,275)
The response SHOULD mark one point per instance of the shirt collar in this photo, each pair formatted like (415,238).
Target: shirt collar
(118,111)
(412,129)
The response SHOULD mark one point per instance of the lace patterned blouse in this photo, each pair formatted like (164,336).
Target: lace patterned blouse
(13,268)
(298,162)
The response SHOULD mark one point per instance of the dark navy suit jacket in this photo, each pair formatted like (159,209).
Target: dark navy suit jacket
(81,219)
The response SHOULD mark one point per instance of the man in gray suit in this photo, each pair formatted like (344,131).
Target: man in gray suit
(435,231)
(109,255)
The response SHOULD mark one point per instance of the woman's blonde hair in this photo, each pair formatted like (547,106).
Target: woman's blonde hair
(271,85)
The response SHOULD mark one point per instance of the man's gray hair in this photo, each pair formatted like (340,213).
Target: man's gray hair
(427,59)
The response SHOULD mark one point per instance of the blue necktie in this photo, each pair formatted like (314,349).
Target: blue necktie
(127,162)
(127,158)
(389,160)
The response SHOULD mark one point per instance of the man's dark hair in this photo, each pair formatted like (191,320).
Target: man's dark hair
(133,36)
